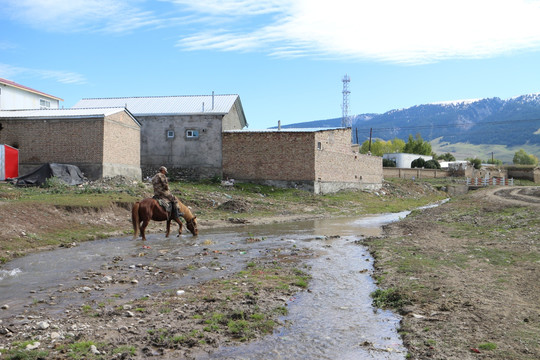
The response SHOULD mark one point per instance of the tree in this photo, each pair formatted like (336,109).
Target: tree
(380,147)
(417,146)
(444,157)
(477,163)
(388,163)
(495,162)
(522,158)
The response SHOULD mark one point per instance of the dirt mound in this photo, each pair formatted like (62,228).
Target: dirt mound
(235,206)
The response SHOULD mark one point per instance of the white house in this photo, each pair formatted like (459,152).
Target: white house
(404,160)
(15,96)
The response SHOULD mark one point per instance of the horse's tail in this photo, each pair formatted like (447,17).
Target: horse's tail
(135,219)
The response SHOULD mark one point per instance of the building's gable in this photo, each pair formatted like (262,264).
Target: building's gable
(17,96)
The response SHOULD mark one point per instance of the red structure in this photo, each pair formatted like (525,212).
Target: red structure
(9,162)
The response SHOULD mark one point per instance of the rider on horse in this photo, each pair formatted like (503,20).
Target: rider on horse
(161,191)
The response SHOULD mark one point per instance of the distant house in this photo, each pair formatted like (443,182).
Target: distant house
(404,160)
(183,133)
(101,142)
(317,160)
(15,96)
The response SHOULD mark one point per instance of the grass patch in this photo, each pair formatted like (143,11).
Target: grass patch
(389,298)
(487,346)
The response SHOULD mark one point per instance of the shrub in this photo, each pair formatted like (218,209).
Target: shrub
(432,164)
(418,163)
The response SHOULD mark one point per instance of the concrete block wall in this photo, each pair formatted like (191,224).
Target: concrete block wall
(406,173)
(202,153)
(283,156)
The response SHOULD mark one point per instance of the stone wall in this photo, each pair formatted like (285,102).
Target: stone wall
(531,173)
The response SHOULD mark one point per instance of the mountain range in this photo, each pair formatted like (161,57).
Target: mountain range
(493,123)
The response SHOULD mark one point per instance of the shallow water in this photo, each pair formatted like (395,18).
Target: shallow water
(333,320)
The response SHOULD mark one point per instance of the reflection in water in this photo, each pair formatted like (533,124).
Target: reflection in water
(334,319)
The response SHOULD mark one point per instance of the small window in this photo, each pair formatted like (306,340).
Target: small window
(170,134)
(192,134)
(44,103)
(319,146)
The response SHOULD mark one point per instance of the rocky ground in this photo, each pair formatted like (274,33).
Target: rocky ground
(466,276)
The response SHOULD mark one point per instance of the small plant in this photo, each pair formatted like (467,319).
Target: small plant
(389,298)
(487,346)
(125,349)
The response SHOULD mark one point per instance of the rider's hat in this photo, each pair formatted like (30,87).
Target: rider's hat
(163,168)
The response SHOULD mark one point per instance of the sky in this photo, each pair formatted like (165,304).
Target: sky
(285,58)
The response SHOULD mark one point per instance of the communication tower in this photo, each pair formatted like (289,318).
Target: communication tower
(346,120)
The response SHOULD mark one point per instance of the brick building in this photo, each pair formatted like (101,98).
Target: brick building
(101,142)
(318,160)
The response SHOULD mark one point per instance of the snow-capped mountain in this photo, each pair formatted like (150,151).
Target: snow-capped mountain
(510,122)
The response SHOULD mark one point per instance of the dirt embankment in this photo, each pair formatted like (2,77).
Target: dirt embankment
(466,276)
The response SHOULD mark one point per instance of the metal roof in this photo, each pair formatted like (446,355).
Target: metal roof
(163,105)
(26,88)
(60,113)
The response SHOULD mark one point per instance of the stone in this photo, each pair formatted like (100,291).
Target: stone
(42,325)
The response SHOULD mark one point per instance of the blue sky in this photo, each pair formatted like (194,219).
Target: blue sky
(285,58)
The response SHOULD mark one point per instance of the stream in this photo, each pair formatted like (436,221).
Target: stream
(334,319)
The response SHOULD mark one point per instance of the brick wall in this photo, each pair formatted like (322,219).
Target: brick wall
(284,156)
(55,140)
(337,162)
(319,161)
(405,173)
(122,140)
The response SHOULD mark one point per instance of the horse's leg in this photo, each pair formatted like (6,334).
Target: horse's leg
(135,219)
(168,228)
(179,222)
(143,228)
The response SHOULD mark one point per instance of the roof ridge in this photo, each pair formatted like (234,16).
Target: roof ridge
(154,96)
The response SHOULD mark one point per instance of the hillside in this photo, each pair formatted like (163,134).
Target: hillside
(465,127)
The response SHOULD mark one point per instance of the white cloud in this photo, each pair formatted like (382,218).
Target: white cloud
(413,31)
(399,31)
(64,77)
(80,15)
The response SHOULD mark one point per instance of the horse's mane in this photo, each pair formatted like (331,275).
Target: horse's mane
(185,210)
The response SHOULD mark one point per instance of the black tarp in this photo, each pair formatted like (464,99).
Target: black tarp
(69,174)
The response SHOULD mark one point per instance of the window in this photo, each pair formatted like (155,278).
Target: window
(319,146)
(192,134)
(44,103)
(170,134)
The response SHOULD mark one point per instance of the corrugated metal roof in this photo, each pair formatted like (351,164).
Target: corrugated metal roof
(63,113)
(26,88)
(162,105)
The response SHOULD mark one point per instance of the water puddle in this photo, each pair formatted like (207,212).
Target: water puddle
(334,319)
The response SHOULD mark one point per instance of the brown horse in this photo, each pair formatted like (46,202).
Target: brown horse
(149,209)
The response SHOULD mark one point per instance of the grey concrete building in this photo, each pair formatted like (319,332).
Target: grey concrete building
(183,133)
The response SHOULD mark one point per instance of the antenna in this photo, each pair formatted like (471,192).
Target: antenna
(346,120)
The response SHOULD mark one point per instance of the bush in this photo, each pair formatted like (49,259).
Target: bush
(432,164)
(418,163)
(388,163)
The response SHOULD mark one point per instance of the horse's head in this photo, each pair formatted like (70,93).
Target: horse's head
(192,226)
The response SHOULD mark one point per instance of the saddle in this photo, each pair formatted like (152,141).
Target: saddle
(165,204)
